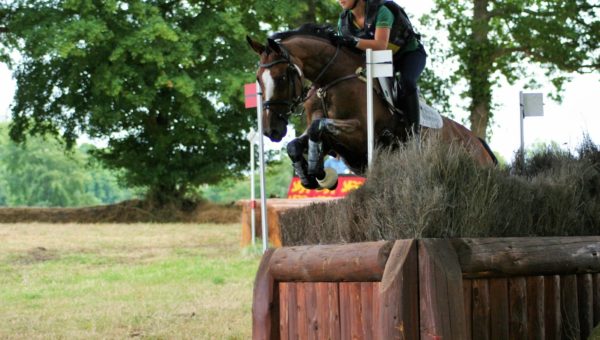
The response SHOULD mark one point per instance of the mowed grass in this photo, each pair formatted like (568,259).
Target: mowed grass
(152,281)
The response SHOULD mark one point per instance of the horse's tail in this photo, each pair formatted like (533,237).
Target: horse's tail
(489,151)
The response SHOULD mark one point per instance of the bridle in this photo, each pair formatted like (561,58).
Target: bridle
(292,70)
(293,74)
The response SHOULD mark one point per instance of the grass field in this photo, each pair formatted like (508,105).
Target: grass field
(156,281)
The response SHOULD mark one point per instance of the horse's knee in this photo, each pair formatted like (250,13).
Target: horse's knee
(295,150)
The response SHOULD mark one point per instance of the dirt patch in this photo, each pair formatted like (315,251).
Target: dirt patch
(35,255)
(133,211)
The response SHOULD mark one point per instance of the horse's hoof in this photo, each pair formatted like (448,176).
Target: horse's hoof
(310,183)
(330,180)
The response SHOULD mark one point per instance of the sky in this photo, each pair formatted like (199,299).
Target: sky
(563,123)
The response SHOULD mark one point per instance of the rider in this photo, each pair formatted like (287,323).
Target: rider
(371,24)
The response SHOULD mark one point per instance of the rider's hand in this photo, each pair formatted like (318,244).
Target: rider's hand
(348,40)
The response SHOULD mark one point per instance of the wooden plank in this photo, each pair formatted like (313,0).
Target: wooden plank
(356,262)
(292,310)
(301,310)
(398,313)
(513,256)
(310,301)
(499,310)
(356,312)
(440,290)
(467,291)
(552,319)
(377,332)
(284,299)
(535,308)
(366,307)
(481,309)
(517,291)
(265,304)
(585,297)
(569,307)
(334,313)
(345,310)
(328,316)
(596,292)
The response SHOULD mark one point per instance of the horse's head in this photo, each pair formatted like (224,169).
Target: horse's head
(280,80)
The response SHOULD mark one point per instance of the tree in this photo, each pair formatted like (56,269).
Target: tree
(490,38)
(40,173)
(161,80)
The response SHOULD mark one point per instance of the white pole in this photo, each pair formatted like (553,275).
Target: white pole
(261,156)
(521,117)
(252,193)
(370,127)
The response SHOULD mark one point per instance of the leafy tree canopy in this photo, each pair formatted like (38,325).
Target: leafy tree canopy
(490,39)
(160,80)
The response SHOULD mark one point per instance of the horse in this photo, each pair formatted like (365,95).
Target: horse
(335,105)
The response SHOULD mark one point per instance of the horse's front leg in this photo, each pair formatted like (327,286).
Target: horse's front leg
(319,128)
(296,149)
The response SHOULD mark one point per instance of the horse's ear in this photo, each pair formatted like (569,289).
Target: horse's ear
(274,46)
(256,46)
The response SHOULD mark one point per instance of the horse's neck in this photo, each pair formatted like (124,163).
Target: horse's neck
(315,54)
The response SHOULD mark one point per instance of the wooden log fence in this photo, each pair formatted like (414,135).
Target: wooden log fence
(489,288)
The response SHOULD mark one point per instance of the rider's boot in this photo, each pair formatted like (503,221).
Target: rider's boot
(413,114)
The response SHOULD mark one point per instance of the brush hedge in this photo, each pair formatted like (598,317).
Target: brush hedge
(436,190)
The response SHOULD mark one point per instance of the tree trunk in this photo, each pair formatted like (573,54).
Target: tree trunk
(310,15)
(479,68)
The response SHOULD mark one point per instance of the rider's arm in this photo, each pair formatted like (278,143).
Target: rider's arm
(383,26)
(382,36)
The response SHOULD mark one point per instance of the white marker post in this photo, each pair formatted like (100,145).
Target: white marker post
(379,64)
(263,197)
(531,105)
(252,138)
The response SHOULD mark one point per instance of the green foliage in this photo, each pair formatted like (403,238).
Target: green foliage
(490,39)
(278,177)
(40,173)
(161,80)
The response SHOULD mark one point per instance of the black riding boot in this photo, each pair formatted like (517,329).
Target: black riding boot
(413,114)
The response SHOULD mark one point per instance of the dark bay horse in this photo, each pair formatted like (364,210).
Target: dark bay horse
(335,105)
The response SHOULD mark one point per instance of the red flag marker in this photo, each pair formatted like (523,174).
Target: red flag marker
(250,95)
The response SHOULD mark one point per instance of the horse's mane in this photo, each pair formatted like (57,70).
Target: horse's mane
(326,32)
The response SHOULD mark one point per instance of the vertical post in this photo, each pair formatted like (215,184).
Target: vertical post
(370,127)
(261,156)
(252,192)
(521,118)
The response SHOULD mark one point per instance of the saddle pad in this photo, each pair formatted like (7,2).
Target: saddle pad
(430,117)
